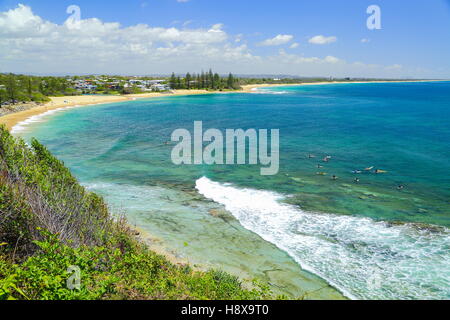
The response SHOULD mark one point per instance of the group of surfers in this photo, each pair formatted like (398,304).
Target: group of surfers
(357,180)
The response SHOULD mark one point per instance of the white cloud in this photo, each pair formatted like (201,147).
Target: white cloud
(364,40)
(25,38)
(294,45)
(294,59)
(331,59)
(322,40)
(278,40)
(188,22)
(30,44)
(217,27)
(394,67)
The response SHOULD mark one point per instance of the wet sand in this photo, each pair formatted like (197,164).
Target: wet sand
(252,87)
(12,119)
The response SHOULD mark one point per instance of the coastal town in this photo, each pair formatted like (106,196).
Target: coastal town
(96,83)
(19,88)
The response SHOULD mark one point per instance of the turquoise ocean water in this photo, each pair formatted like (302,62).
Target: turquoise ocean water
(368,240)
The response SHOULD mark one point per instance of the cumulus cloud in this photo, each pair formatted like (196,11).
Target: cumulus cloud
(25,36)
(331,59)
(322,40)
(294,59)
(239,38)
(294,45)
(30,44)
(278,40)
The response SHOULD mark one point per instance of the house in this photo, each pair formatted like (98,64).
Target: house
(115,85)
(153,82)
(85,85)
(135,82)
(160,87)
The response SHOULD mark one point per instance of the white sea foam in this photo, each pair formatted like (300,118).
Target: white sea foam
(265,91)
(363,258)
(23,125)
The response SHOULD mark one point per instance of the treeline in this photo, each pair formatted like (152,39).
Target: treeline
(205,81)
(22,88)
(274,80)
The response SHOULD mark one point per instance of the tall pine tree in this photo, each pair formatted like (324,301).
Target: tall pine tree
(230,82)
(188,81)
(173,81)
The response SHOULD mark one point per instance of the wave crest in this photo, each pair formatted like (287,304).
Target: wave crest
(363,258)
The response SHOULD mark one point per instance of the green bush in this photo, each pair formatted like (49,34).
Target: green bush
(39,97)
(48,223)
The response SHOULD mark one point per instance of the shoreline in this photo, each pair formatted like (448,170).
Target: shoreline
(157,244)
(251,87)
(56,103)
(12,119)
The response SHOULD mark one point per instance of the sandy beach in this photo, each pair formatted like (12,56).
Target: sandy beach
(157,244)
(11,120)
(175,93)
(252,87)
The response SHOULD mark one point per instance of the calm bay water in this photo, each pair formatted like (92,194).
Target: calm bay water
(368,239)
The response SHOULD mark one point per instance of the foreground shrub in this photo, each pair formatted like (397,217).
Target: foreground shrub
(49,225)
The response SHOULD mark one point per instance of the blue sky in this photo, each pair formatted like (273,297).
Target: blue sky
(414,40)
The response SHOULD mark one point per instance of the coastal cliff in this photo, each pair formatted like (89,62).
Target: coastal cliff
(52,229)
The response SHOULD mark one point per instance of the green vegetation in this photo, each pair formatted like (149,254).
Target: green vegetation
(204,81)
(131,90)
(48,223)
(21,88)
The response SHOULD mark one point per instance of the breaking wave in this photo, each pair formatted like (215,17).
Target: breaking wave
(363,258)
